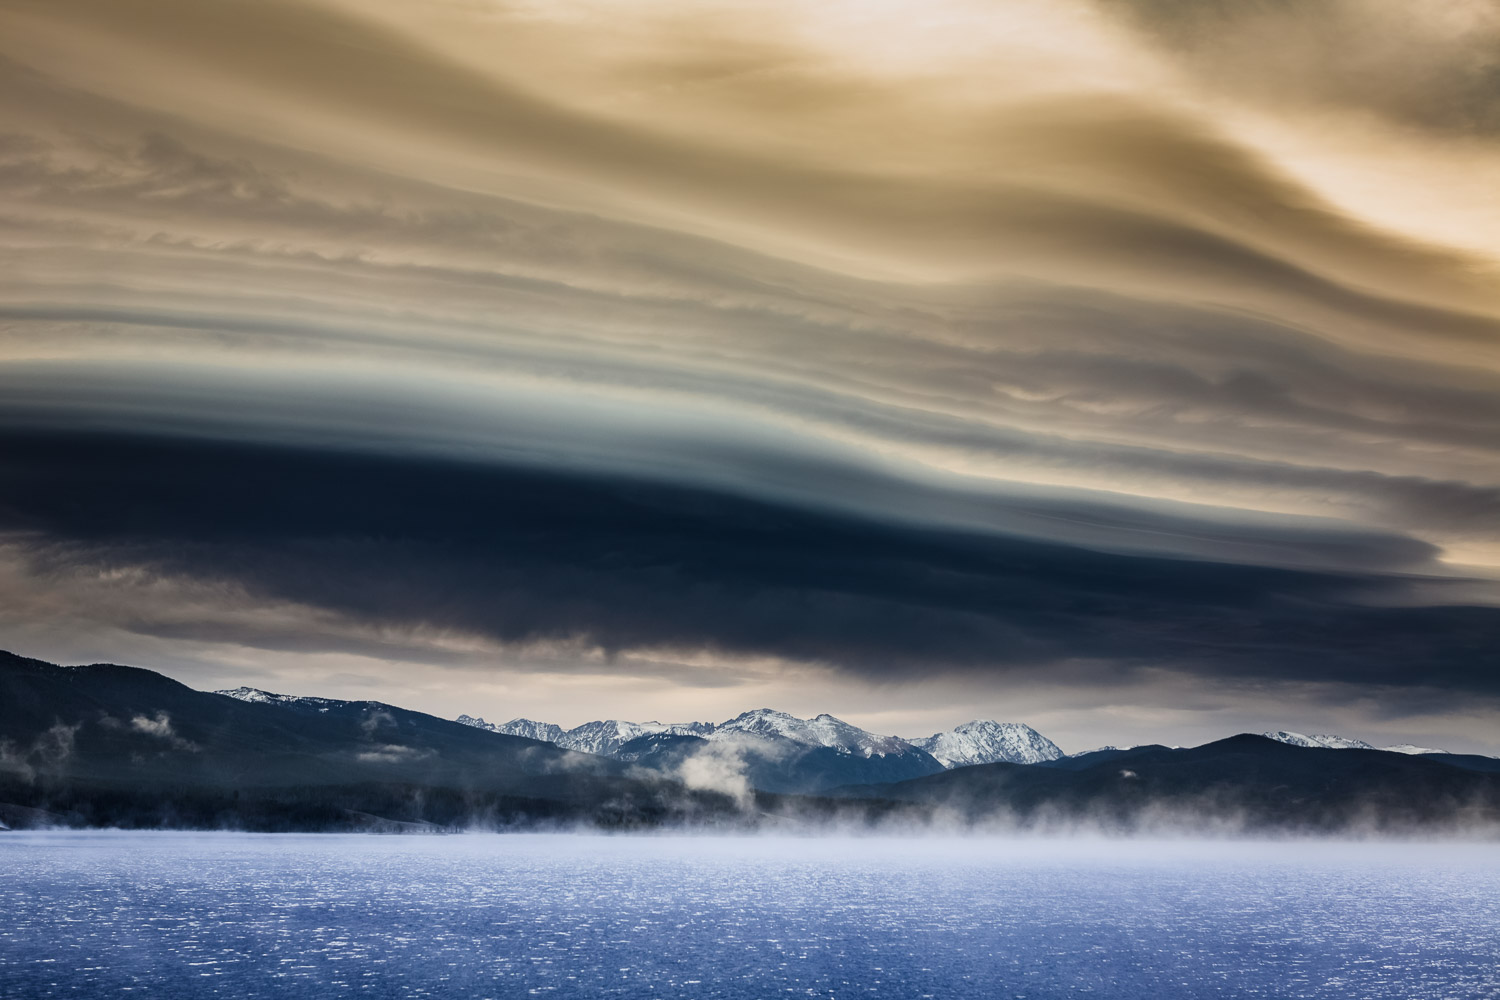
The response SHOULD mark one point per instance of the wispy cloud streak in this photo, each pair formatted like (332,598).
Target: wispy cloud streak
(959,337)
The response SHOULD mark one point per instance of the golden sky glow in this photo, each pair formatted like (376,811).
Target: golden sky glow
(1189,279)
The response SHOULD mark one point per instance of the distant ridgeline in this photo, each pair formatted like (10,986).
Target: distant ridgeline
(106,745)
(776,752)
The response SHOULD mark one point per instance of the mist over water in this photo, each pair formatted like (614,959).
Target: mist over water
(188,915)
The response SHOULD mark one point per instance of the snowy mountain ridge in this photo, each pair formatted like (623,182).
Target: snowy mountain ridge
(256,696)
(985,741)
(982,741)
(1411,748)
(822,731)
(1328,741)
(544,731)
(603,738)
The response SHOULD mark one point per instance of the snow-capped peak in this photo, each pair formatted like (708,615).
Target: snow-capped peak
(982,741)
(1331,742)
(607,736)
(821,731)
(258,697)
(1411,749)
(985,741)
(1327,741)
(601,737)
(253,695)
(544,731)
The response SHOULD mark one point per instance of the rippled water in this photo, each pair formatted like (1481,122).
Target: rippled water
(176,915)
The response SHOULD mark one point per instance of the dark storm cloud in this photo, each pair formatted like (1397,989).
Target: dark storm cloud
(528,555)
(939,338)
(696,450)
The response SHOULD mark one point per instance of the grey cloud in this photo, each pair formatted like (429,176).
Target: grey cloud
(160,727)
(1433,66)
(395,753)
(1250,392)
(374,720)
(1102,322)
(621,564)
(653,446)
(46,755)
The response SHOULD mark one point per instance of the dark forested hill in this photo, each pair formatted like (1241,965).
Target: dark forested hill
(1242,783)
(108,745)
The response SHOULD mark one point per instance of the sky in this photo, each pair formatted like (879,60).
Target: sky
(1129,368)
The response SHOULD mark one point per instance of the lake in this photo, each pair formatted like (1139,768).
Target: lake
(247,915)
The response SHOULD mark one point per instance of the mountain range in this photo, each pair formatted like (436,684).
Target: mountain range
(779,752)
(110,745)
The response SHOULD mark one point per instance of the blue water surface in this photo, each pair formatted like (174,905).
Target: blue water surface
(249,915)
